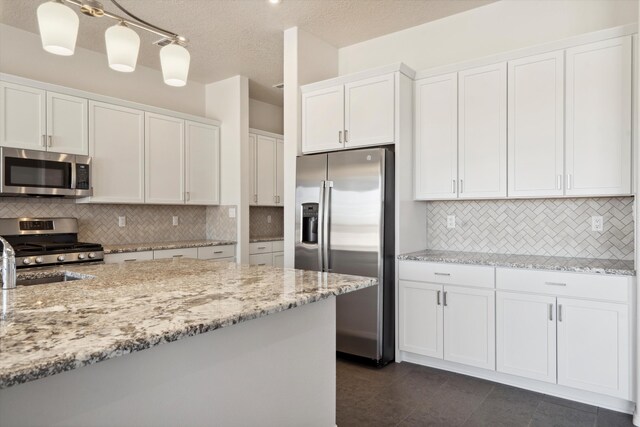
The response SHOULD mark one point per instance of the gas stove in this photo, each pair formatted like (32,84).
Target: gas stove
(48,241)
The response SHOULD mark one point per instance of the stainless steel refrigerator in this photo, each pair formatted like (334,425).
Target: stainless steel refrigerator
(345,224)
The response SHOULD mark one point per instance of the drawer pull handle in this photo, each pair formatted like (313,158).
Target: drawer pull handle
(555,284)
(262,264)
(178,256)
(130,260)
(262,247)
(217,252)
(442,274)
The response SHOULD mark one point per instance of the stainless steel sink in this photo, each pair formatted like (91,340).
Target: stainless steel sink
(54,278)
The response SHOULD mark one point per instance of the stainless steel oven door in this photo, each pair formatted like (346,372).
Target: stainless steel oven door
(40,173)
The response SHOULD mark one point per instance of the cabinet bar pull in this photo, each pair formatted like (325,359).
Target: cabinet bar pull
(346,136)
(559,312)
(555,284)
(340,136)
(453,186)
(44,141)
(444,298)
(559,183)
(438,298)
(262,264)
(217,252)
(461,186)
(178,256)
(50,141)
(568,181)
(442,274)
(262,247)
(550,311)
(130,260)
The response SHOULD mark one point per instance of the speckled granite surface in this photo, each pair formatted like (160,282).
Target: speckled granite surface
(139,247)
(579,265)
(129,307)
(266,239)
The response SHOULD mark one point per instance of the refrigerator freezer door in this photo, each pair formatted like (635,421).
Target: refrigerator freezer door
(355,239)
(311,174)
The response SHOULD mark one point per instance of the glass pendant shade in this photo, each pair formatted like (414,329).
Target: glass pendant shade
(58,28)
(123,45)
(174,60)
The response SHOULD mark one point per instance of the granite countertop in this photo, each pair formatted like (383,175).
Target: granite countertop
(265,239)
(534,262)
(122,308)
(156,246)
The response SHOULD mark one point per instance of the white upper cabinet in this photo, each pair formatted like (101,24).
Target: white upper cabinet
(23,120)
(594,346)
(116,143)
(482,131)
(323,119)
(436,138)
(253,168)
(266,173)
(279,172)
(598,127)
(369,114)
(164,159)
(536,125)
(202,153)
(67,124)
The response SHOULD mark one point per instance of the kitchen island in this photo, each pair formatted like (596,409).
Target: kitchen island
(248,345)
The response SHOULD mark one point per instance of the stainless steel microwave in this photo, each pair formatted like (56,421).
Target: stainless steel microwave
(41,173)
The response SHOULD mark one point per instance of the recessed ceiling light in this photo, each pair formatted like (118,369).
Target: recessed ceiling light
(275,1)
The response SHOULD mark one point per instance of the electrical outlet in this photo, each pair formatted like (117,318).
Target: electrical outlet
(122,221)
(268,219)
(451,221)
(597,223)
(175,220)
(232,212)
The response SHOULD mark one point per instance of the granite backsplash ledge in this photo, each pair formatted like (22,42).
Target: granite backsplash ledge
(546,227)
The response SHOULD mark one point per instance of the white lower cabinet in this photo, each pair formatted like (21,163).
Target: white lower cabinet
(176,253)
(278,259)
(267,253)
(526,335)
(118,258)
(420,319)
(261,259)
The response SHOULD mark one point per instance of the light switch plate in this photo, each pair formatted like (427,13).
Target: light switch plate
(122,221)
(232,212)
(451,221)
(175,220)
(597,223)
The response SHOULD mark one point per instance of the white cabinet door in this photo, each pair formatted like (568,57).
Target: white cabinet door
(176,253)
(323,119)
(266,180)
(118,258)
(253,168)
(536,125)
(593,346)
(469,326)
(436,143)
(278,259)
(420,318)
(599,118)
(23,121)
(279,172)
(164,159)
(526,335)
(116,143)
(202,151)
(482,127)
(261,259)
(67,120)
(369,113)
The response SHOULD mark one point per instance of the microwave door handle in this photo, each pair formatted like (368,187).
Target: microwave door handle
(321,228)
(74,178)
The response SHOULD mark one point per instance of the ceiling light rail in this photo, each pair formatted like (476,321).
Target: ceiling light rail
(59,30)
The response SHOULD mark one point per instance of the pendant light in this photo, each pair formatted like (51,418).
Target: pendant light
(174,60)
(58,27)
(123,45)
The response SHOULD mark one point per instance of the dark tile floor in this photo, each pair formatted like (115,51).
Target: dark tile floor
(404,394)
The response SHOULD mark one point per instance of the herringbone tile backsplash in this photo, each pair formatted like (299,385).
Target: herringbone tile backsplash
(259,226)
(219,225)
(552,227)
(145,223)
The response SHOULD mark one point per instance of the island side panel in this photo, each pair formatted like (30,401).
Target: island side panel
(277,370)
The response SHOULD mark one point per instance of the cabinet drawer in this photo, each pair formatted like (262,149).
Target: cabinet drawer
(215,252)
(260,248)
(278,245)
(176,253)
(593,286)
(448,274)
(128,257)
(261,259)
(230,259)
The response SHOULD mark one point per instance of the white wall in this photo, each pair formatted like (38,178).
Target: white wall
(21,54)
(267,117)
(228,101)
(307,59)
(487,30)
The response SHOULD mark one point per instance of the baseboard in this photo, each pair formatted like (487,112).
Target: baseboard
(587,397)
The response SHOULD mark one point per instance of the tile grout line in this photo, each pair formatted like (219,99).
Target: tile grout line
(493,387)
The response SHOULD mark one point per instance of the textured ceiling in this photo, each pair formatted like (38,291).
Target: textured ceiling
(230,37)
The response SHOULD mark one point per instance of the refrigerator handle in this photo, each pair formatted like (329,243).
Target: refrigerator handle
(326,243)
(321,227)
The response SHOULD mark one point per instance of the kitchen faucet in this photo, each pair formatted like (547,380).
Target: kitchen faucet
(8,265)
